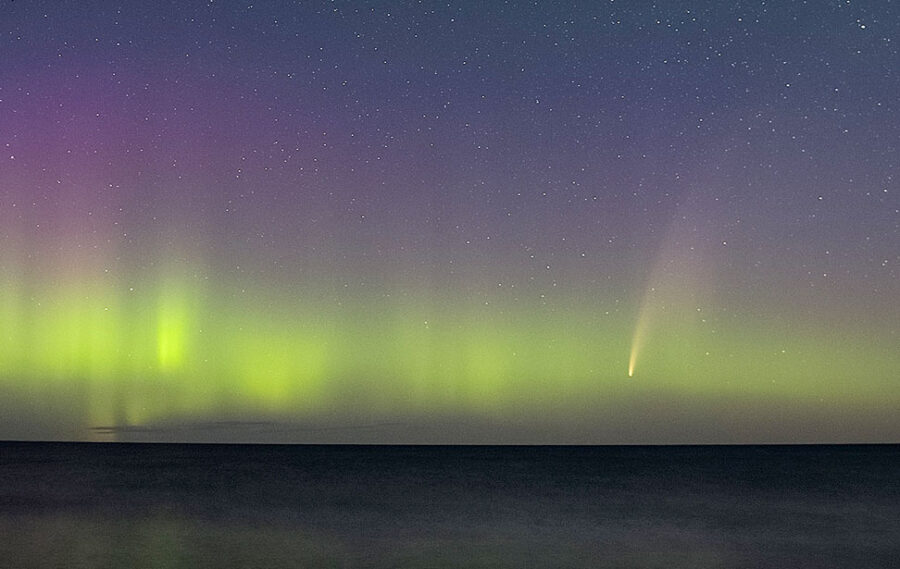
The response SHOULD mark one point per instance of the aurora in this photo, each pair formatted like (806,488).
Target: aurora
(472,224)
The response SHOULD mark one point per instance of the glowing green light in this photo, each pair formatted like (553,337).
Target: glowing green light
(173,323)
(175,351)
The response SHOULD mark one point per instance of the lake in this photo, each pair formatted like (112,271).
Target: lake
(196,506)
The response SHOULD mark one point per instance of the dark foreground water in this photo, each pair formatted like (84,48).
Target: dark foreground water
(172,506)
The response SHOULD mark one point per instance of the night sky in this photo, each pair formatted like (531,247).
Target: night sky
(454,222)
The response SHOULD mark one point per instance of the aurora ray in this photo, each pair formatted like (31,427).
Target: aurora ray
(467,221)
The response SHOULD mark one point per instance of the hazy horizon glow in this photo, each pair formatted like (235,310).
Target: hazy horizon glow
(507,224)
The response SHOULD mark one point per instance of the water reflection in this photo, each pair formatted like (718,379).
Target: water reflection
(230,506)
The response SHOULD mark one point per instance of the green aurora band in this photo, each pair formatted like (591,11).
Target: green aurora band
(184,350)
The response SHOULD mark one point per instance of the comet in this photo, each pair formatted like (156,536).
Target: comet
(672,280)
(637,341)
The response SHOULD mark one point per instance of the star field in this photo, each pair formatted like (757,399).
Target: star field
(474,222)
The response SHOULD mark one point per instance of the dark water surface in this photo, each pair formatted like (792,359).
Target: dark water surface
(173,506)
